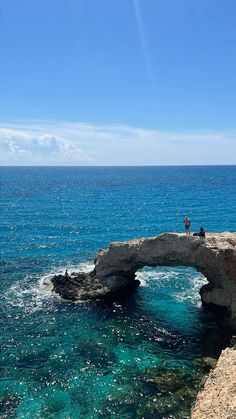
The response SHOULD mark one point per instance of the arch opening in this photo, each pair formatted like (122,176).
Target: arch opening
(172,293)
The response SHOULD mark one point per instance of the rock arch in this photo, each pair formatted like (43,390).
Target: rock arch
(214,256)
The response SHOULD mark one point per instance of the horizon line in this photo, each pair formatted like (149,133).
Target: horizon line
(132,165)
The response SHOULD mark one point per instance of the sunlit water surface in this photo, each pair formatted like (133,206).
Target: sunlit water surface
(139,357)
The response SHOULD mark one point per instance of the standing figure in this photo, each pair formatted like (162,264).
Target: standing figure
(66,274)
(187,223)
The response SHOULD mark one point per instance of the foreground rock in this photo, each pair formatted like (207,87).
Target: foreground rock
(218,398)
(115,268)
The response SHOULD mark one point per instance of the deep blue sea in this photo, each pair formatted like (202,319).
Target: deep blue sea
(140,357)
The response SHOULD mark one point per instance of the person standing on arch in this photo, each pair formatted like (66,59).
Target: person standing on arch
(187,223)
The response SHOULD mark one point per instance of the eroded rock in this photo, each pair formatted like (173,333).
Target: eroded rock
(115,268)
(218,398)
(214,256)
(85,286)
(79,286)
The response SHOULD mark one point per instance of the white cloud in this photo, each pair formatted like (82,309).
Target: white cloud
(36,148)
(80,143)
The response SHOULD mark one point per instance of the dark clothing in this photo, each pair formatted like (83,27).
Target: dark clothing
(202,234)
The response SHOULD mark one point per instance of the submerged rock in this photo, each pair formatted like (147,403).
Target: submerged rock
(209,361)
(168,381)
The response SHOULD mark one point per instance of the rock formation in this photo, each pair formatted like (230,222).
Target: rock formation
(79,286)
(214,256)
(218,398)
(115,267)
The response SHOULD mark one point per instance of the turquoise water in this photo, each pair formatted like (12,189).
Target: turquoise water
(139,357)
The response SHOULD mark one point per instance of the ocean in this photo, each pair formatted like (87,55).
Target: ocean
(143,356)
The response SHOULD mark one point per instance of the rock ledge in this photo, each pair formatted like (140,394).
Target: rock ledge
(218,398)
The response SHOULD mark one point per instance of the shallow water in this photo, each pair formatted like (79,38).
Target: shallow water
(137,357)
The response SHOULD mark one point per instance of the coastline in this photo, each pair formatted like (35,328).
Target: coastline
(218,397)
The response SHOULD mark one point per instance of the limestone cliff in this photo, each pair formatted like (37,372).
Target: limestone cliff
(218,398)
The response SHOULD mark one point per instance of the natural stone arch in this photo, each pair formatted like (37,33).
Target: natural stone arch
(115,268)
(214,257)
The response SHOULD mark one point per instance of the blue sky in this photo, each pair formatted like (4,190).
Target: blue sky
(106,82)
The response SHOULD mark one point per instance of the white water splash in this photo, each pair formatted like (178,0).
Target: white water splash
(192,293)
(155,275)
(29,295)
(86,267)
(35,293)
(185,282)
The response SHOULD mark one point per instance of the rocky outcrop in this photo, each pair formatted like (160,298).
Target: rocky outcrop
(214,256)
(115,267)
(80,286)
(218,398)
